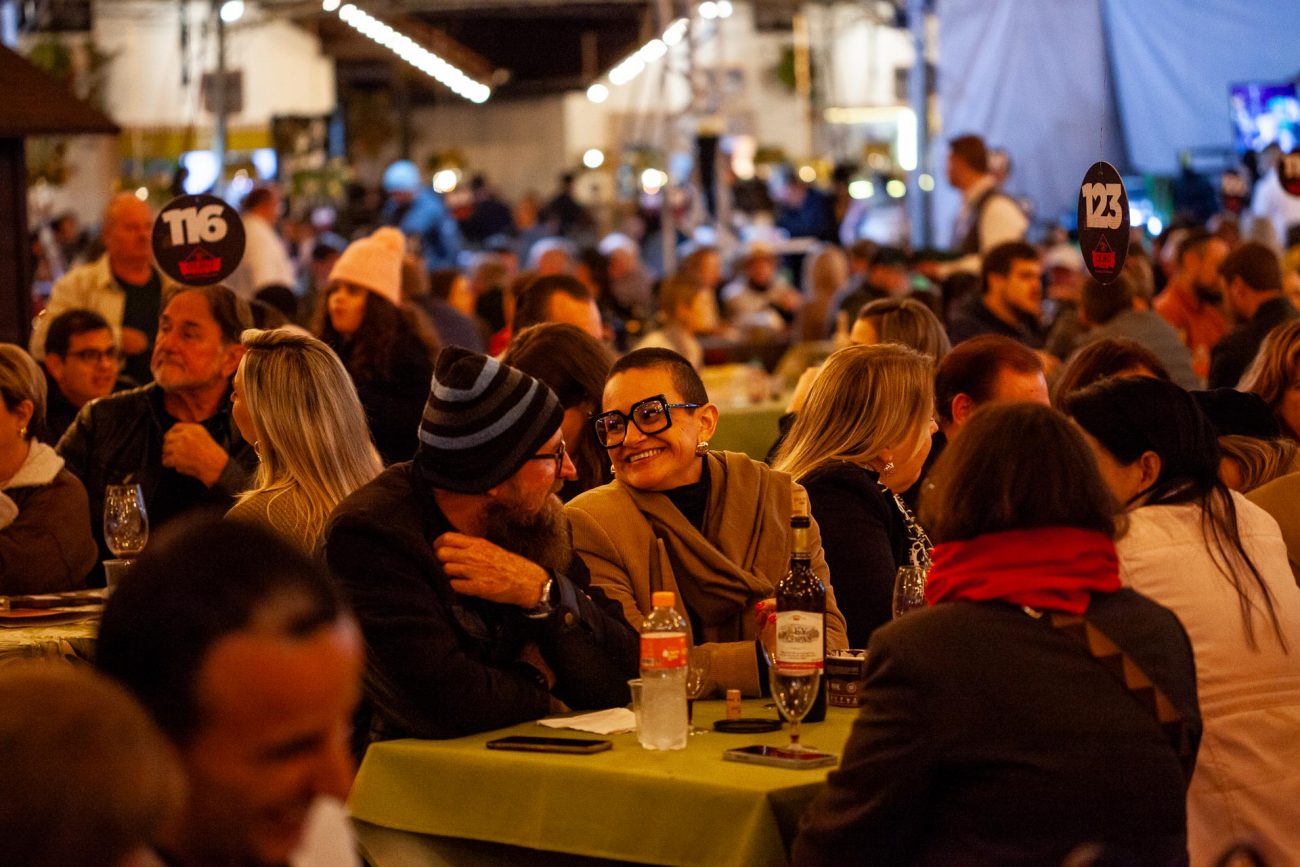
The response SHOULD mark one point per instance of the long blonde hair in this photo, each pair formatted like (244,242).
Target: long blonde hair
(311,430)
(866,399)
(1275,368)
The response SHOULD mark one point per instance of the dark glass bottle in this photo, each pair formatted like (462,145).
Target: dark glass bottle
(801,608)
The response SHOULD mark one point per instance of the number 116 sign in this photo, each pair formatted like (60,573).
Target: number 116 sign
(198,240)
(1103,222)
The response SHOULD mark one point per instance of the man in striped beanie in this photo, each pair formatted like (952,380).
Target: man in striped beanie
(475,613)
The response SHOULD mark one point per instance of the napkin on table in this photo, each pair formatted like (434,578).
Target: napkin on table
(614,721)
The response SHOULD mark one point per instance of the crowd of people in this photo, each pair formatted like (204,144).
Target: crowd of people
(464,480)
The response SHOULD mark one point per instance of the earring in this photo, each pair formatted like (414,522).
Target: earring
(702,448)
(887,468)
(257,448)
(611,469)
(22,432)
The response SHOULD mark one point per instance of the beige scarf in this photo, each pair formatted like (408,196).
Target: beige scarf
(744,549)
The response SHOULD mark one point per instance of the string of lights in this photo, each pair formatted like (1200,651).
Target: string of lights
(409,50)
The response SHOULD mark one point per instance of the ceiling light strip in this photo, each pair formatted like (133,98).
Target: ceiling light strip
(409,50)
(635,64)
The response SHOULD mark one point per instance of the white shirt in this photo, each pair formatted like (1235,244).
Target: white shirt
(265,263)
(1276,205)
(1000,221)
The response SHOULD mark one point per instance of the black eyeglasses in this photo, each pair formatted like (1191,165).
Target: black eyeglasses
(557,456)
(93,356)
(651,416)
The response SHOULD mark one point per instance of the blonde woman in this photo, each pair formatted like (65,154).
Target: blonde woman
(861,441)
(826,272)
(1245,462)
(295,402)
(1275,376)
(686,309)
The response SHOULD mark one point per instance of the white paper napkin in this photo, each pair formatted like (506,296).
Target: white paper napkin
(614,721)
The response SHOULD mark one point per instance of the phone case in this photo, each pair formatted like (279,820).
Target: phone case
(820,761)
(550,745)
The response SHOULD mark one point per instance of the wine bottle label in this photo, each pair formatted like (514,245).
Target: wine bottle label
(799,640)
(663,650)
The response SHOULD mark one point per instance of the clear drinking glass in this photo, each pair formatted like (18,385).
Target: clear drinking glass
(794,691)
(126,523)
(909,589)
(697,676)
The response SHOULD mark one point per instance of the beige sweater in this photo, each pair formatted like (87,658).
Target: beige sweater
(637,542)
(284,513)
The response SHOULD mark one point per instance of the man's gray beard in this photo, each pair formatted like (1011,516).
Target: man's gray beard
(542,537)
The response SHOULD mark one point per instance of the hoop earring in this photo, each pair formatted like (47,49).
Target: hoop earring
(257,448)
(702,448)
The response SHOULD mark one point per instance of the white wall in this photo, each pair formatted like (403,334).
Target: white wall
(283,69)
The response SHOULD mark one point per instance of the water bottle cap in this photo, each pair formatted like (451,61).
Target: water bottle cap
(663,599)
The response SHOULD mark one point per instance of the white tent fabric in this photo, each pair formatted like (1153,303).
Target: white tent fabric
(1061,84)
(1173,61)
(1029,76)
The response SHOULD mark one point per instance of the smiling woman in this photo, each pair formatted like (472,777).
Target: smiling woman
(713,527)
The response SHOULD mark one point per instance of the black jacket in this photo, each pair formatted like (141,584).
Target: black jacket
(1234,353)
(394,403)
(971,318)
(865,540)
(118,439)
(991,739)
(442,665)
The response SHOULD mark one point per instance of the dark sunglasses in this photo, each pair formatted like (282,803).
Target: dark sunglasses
(651,416)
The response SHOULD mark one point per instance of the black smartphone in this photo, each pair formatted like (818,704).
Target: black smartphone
(761,754)
(549,745)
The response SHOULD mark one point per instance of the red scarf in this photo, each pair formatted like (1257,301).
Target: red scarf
(1058,568)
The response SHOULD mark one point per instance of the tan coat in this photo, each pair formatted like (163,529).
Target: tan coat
(637,542)
(1281,499)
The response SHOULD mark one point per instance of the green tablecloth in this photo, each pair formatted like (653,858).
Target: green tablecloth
(749,429)
(687,807)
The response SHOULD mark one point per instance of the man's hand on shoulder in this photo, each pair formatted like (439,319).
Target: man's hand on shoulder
(188,448)
(480,568)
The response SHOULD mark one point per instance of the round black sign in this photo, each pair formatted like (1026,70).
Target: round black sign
(1103,222)
(198,240)
(1288,172)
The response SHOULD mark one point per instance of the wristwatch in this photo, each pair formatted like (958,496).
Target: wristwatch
(542,608)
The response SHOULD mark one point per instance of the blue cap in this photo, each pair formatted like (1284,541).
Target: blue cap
(401,176)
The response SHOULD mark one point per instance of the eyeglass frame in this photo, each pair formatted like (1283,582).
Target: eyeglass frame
(631,417)
(557,456)
(90,355)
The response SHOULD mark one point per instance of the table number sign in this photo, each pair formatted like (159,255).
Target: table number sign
(1103,222)
(198,240)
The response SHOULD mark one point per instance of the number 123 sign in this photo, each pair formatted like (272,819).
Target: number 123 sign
(198,240)
(1103,222)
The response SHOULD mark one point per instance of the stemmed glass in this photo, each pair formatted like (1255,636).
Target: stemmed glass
(126,523)
(794,690)
(697,677)
(909,589)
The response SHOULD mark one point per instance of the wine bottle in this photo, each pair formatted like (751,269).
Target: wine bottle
(801,610)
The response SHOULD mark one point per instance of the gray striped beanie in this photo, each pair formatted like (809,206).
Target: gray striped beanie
(482,421)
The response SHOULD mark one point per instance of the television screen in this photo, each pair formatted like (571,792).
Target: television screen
(1265,113)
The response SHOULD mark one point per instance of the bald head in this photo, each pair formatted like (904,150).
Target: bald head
(127,226)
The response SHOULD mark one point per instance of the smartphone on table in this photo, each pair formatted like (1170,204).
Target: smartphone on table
(549,745)
(761,754)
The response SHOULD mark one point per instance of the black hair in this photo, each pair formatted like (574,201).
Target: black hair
(201,580)
(1130,417)
(685,378)
(67,325)
(1003,257)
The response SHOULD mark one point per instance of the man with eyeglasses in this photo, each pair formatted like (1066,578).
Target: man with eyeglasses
(476,613)
(81,364)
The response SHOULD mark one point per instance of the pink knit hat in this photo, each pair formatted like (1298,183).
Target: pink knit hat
(374,263)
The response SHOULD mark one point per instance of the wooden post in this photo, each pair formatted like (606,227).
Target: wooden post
(15,253)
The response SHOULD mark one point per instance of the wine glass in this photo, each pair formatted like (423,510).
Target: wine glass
(794,690)
(697,678)
(126,523)
(909,589)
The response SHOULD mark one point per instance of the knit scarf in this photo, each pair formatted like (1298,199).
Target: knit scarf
(1057,568)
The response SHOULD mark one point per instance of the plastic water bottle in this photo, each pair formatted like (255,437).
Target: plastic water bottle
(664,724)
